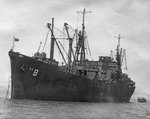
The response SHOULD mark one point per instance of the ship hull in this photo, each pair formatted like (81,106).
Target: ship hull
(34,79)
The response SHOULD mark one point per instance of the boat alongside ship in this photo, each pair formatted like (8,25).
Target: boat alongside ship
(141,100)
(78,79)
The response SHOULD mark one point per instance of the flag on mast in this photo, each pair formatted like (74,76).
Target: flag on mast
(16,39)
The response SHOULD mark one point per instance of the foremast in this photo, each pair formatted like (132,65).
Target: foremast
(52,41)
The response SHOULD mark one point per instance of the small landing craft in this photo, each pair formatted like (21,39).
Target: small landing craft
(141,99)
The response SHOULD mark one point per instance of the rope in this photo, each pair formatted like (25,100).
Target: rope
(45,40)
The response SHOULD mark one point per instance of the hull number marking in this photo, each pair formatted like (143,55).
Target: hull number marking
(35,72)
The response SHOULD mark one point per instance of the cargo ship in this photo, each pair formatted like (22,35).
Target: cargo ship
(76,79)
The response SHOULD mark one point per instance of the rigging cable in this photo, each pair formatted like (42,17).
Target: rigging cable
(45,41)
(88,47)
(60,31)
(63,48)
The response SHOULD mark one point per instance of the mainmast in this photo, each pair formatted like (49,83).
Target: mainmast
(82,38)
(119,52)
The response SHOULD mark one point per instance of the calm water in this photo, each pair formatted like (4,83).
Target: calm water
(32,109)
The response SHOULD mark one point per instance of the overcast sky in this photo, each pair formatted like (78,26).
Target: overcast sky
(26,19)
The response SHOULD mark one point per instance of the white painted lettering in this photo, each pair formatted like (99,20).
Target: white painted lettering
(35,72)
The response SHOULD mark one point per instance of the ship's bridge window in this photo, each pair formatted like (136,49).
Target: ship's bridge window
(104,58)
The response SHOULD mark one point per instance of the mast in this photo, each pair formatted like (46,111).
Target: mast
(119,52)
(82,38)
(52,41)
(83,47)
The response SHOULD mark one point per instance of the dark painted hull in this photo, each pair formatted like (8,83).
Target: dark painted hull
(33,79)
